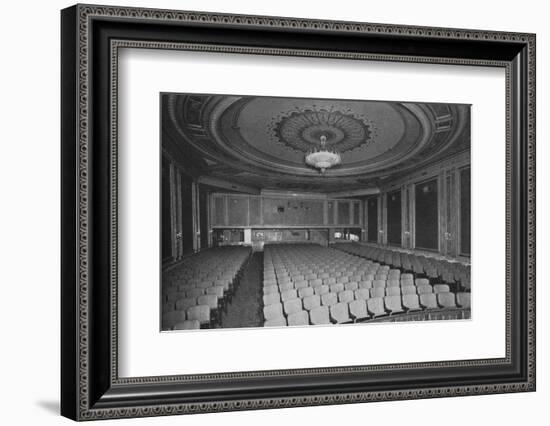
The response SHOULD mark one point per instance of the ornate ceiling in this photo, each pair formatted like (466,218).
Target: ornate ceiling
(261,142)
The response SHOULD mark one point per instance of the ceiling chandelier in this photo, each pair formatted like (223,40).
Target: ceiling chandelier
(322,158)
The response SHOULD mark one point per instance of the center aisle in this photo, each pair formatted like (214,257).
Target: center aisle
(244,310)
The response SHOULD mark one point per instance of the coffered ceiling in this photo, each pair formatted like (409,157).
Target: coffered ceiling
(261,142)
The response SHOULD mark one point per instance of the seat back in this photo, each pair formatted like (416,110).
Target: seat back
(291,306)
(276,322)
(393,291)
(441,288)
(298,318)
(421,281)
(424,289)
(379,283)
(288,295)
(428,301)
(170,319)
(208,299)
(410,302)
(336,288)
(378,292)
(324,289)
(319,316)
(273,311)
(393,304)
(358,309)
(345,296)
(311,302)
(375,306)
(187,325)
(409,289)
(304,292)
(329,299)
(340,313)
(362,294)
(270,299)
(352,285)
(392,283)
(184,304)
(463,300)
(446,300)
(200,313)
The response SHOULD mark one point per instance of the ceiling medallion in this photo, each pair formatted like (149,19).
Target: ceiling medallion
(322,158)
(302,129)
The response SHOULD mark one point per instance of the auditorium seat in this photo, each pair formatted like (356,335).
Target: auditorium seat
(393,291)
(379,283)
(286,286)
(311,302)
(378,292)
(362,294)
(352,285)
(409,289)
(446,300)
(375,306)
(336,288)
(358,310)
(273,311)
(424,289)
(271,289)
(428,301)
(292,306)
(298,318)
(463,300)
(345,296)
(184,304)
(200,313)
(208,299)
(304,292)
(187,325)
(270,299)
(329,299)
(276,322)
(288,295)
(410,302)
(392,283)
(422,281)
(170,319)
(319,316)
(324,289)
(340,313)
(216,290)
(393,304)
(441,288)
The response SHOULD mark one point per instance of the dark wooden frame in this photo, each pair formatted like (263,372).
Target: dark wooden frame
(90,386)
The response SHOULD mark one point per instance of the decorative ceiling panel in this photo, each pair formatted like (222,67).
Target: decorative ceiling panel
(261,141)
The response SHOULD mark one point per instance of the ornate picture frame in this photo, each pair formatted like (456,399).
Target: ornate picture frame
(91,37)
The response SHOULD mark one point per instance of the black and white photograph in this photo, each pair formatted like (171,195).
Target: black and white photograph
(282,211)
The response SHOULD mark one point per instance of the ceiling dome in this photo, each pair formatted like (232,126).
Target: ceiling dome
(261,141)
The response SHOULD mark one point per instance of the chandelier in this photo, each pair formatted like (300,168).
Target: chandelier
(322,158)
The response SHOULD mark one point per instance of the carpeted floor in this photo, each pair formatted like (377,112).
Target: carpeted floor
(244,310)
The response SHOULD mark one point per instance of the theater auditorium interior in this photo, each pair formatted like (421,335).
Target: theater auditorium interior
(280,211)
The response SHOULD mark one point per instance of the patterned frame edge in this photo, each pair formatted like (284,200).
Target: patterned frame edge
(84,13)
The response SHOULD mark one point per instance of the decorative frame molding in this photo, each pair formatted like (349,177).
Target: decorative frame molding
(91,37)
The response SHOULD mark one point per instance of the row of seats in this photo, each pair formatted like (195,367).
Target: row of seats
(327,294)
(308,278)
(196,290)
(450,272)
(314,310)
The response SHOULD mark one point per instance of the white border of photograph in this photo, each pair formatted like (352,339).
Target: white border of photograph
(144,351)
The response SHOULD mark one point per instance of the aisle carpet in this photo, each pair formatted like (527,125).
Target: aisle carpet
(244,310)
